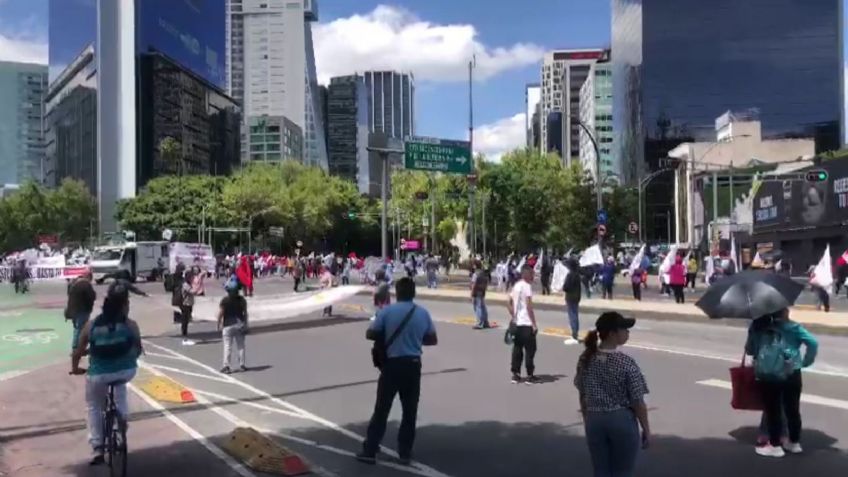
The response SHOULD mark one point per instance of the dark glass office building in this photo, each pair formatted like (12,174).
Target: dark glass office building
(157,72)
(680,64)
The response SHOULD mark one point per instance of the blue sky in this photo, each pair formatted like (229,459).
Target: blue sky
(432,38)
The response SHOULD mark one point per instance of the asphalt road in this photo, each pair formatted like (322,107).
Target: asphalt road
(312,386)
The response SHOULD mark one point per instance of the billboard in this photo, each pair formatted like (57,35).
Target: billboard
(192,32)
(801,204)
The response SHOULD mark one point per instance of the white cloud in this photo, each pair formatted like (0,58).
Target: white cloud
(393,38)
(23,48)
(495,139)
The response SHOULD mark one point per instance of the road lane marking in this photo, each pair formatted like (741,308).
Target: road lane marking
(164,356)
(805,398)
(188,373)
(426,470)
(230,400)
(200,438)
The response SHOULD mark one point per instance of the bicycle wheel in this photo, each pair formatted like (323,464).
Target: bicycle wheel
(118,447)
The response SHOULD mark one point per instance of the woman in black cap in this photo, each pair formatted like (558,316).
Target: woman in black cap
(612,390)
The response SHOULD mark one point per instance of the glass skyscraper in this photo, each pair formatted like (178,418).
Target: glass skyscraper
(22,88)
(680,64)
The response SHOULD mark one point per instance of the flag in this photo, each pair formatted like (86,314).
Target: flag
(558,278)
(592,256)
(521,263)
(843,259)
(733,254)
(823,273)
(778,267)
(538,268)
(669,260)
(710,269)
(637,260)
(757,261)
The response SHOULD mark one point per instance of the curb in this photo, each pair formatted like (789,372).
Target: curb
(647,315)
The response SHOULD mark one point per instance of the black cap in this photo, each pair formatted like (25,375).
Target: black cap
(613,321)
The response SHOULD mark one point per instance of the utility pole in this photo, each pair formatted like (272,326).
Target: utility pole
(471,185)
(384,196)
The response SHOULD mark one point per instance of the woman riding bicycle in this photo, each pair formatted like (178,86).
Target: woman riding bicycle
(113,343)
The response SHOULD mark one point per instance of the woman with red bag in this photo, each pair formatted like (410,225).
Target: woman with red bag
(775,343)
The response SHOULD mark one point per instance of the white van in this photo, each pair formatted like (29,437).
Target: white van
(131,260)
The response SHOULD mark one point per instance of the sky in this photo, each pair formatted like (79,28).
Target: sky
(434,39)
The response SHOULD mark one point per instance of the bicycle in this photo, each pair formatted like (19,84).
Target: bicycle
(114,434)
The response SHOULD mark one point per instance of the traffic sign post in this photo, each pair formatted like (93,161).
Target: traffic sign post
(438,155)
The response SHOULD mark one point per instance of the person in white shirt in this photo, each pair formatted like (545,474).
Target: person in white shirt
(523,326)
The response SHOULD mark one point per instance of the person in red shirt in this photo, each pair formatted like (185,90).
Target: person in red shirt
(677,278)
(244,272)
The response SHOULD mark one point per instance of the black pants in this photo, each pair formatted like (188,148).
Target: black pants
(607,287)
(678,293)
(788,394)
(637,291)
(185,317)
(690,280)
(824,297)
(398,376)
(524,348)
(546,285)
(296,283)
(345,281)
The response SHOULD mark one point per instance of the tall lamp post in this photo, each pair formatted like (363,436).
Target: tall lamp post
(598,182)
(472,235)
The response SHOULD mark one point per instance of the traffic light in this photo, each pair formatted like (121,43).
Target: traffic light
(817,175)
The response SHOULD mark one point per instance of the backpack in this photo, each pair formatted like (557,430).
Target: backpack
(772,360)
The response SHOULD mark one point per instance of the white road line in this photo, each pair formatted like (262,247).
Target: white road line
(693,354)
(12,375)
(164,356)
(428,471)
(215,450)
(229,400)
(188,373)
(806,398)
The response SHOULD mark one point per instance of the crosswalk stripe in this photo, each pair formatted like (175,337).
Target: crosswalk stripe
(805,398)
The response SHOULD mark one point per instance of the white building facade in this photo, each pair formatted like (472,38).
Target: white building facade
(271,70)
(596,115)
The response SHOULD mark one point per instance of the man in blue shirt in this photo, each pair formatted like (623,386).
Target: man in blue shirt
(401,371)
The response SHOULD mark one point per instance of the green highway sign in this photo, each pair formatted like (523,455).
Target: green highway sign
(437,155)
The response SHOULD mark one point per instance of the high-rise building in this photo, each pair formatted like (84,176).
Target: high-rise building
(157,71)
(532,99)
(347,126)
(271,70)
(563,74)
(596,115)
(22,87)
(678,64)
(374,102)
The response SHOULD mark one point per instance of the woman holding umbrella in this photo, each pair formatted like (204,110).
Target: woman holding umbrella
(775,343)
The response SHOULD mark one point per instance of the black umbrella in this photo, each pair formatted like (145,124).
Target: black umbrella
(749,294)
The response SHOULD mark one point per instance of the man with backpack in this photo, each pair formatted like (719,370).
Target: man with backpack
(775,343)
(402,329)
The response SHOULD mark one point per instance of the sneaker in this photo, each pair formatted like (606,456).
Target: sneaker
(226,370)
(570,342)
(531,380)
(97,458)
(769,450)
(366,458)
(188,342)
(405,460)
(242,368)
(477,327)
(762,440)
(516,379)
(793,448)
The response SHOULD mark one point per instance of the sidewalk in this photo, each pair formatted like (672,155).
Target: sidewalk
(43,433)
(817,321)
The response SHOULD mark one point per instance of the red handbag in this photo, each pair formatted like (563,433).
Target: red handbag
(746,391)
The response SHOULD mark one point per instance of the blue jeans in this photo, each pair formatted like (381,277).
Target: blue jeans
(79,321)
(431,279)
(481,312)
(614,442)
(573,317)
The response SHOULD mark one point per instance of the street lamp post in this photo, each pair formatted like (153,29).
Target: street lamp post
(384,196)
(598,185)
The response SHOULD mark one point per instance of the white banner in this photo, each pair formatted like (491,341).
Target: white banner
(44,273)
(191,254)
(558,278)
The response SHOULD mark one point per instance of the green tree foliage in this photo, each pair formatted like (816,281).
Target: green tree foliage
(68,211)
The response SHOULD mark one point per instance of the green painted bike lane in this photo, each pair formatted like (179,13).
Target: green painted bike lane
(31,338)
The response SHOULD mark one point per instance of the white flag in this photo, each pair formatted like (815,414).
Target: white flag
(757,261)
(823,273)
(521,263)
(558,278)
(710,269)
(669,260)
(637,260)
(733,255)
(778,267)
(538,267)
(592,256)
